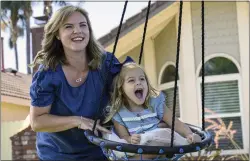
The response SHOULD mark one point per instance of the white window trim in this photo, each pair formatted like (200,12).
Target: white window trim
(236,114)
(239,114)
(222,78)
(171,85)
(218,55)
(168,85)
(163,68)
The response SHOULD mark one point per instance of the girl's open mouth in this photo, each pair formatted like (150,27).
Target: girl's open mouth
(139,93)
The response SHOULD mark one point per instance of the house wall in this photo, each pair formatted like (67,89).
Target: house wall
(188,95)
(12,118)
(165,45)
(221,32)
(134,54)
(13,112)
(37,35)
(243,31)
(8,129)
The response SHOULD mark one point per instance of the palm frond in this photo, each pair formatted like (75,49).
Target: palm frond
(20,31)
(61,3)
(4,24)
(11,45)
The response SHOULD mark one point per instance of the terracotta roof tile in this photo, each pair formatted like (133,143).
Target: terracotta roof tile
(15,85)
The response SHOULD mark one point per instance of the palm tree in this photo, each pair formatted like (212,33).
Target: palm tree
(47,7)
(27,14)
(14,7)
(12,23)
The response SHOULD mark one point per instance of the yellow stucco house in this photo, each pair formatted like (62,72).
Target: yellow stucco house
(226,62)
(15,104)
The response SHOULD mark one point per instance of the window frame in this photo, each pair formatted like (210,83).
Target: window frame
(223,78)
(164,86)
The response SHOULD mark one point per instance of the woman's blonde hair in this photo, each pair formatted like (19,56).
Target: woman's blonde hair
(52,52)
(118,98)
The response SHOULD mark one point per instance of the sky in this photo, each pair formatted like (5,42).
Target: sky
(104,16)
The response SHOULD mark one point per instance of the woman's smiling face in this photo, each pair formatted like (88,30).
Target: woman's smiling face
(74,33)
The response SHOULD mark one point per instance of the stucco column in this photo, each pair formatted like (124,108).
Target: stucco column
(188,85)
(243,31)
(150,62)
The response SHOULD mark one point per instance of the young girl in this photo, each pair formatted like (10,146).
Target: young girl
(137,109)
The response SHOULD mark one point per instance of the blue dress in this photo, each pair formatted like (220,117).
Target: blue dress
(50,87)
(145,120)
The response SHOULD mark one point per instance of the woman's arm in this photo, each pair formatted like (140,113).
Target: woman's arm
(42,121)
(180,127)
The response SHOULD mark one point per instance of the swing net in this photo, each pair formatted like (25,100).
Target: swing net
(160,152)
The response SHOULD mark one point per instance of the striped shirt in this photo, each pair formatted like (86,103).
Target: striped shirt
(145,120)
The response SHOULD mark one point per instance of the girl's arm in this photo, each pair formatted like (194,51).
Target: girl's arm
(180,127)
(121,131)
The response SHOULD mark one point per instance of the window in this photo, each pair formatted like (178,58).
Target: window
(222,103)
(166,85)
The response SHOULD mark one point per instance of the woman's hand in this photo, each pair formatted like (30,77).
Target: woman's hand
(193,138)
(135,139)
(87,124)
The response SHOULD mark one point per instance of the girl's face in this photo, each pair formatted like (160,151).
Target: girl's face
(74,33)
(135,86)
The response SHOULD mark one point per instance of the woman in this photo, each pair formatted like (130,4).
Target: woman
(66,89)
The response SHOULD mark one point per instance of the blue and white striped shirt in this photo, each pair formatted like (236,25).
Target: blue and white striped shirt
(146,120)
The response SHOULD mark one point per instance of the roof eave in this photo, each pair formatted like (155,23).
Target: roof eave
(134,22)
(15,100)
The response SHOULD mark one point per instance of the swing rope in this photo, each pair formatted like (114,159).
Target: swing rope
(176,72)
(144,32)
(203,68)
(109,69)
(177,68)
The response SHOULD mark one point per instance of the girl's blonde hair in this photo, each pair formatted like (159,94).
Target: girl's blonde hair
(118,98)
(52,52)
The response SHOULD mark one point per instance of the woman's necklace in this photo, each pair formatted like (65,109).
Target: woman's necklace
(78,80)
(81,78)
(76,61)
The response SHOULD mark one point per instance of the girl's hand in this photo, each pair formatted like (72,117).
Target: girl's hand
(162,125)
(193,138)
(135,139)
(87,124)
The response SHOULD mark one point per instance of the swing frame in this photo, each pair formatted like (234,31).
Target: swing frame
(146,149)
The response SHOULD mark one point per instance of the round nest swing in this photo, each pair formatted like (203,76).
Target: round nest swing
(162,152)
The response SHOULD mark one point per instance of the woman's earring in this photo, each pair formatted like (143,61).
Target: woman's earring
(58,38)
